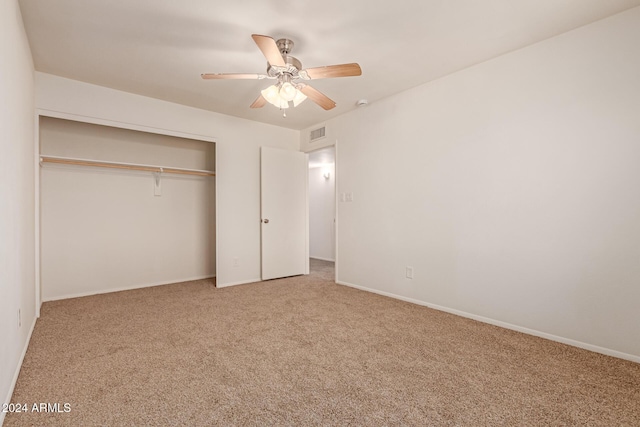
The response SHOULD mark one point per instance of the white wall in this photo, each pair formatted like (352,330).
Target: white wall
(104,230)
(322,205)
(511,187)
(237,152)
(17,218)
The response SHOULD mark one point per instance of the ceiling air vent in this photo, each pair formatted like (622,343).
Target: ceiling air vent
(317,134)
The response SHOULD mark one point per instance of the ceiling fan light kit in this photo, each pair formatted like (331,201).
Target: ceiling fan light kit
(288,91)
(287,70)
(282,93)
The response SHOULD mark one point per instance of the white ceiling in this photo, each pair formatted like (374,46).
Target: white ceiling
(159,48)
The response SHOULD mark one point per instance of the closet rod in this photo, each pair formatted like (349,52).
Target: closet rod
(118,165)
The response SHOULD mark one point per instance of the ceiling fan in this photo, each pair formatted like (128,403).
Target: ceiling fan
(291,77)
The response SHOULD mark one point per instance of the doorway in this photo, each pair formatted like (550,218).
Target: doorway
(322,204)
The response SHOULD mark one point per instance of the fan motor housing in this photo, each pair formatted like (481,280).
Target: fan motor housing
(292,67)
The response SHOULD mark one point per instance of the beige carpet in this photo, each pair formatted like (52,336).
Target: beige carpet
(304,351)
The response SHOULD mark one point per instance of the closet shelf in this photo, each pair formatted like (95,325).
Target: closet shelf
(119,165)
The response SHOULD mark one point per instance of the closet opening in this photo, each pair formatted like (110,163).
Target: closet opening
(122,208)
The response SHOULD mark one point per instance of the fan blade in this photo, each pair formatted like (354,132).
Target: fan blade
(318,97)
(259,102)
(269,49)
(330,71)
(221,76)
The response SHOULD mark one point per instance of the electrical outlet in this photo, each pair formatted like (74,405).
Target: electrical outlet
(19,318)
(236,262)
(409,272)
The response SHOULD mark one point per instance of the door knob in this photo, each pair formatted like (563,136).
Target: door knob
(266,221)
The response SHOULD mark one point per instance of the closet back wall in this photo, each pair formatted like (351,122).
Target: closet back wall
(104,230)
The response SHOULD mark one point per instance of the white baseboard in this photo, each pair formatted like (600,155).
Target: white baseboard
(17,372)
(126,288)
(242,282)
(568,341)
(322,259)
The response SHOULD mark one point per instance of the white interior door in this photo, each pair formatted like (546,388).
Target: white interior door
(284,211)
